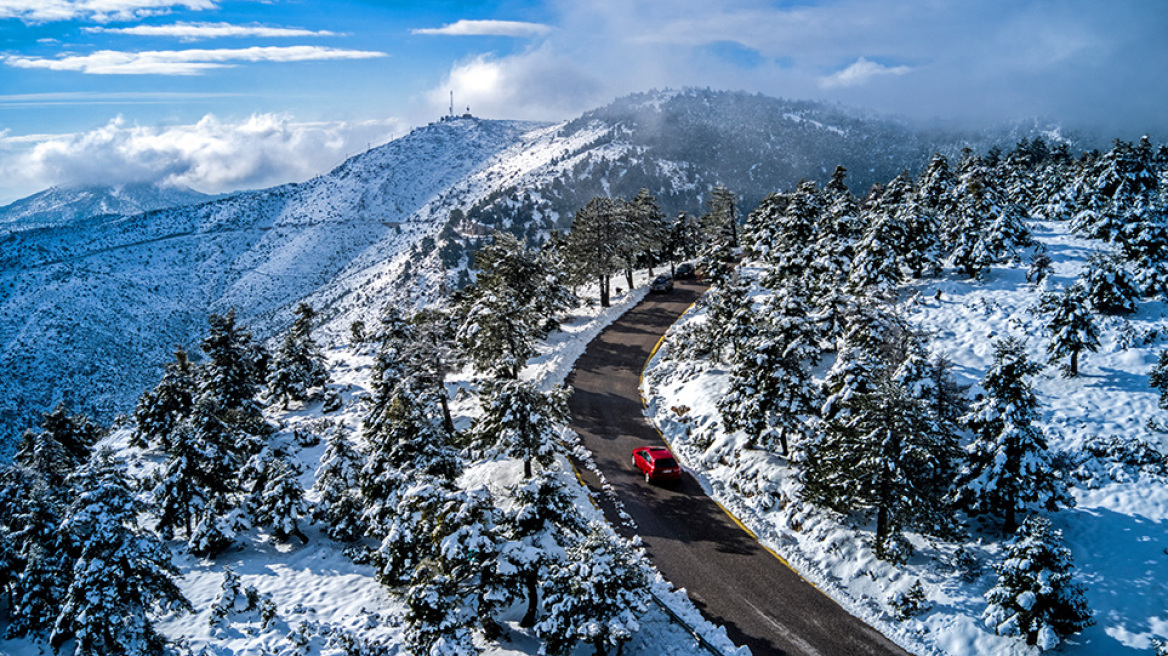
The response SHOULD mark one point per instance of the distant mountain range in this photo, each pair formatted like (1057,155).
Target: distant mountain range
(97,286)
(62,205)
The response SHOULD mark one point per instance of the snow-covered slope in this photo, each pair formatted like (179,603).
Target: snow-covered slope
(64,205)
(90,310)
(1116,532)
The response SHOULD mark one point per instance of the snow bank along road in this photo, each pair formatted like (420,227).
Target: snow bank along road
(733,580)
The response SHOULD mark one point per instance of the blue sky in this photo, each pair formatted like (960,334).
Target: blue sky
(227,94)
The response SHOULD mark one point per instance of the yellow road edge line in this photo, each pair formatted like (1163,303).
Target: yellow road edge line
(733,518)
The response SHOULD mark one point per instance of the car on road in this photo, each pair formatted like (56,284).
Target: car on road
(656,463)
(661,284)
(685,271)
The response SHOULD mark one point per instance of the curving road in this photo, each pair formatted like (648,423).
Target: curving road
(733,580)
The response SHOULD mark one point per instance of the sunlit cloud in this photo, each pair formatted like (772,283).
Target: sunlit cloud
(183,62)
(212,155)
(198,31)
(861,72)
(100,11)
(538,85)
(488,28)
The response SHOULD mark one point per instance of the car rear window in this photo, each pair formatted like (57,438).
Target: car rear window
(665,462)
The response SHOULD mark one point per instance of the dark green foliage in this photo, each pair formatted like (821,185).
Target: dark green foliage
(121,572)
(1158,377)
(1036,596)
(1007,465)
(1071,327)
(1110,287)
(594,595)
(298,365)
(159,410)
(519,421)
(771,390)
(337,485)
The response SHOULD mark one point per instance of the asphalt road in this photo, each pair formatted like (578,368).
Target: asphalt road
(733,580)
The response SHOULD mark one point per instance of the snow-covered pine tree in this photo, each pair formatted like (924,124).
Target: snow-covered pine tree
(535,533)
(438,617)
(519,421)
(298,365)
(63,436)
(984,228)
(652,227)
(720,223)
(38,569)
(1158,377)
(1110,287)
(404,444)
(884,246)
(122,572)
(498,333)
(1071,327)
(232,373)
(729,318)
(771,390)
(784,229)
(591,246)
(1114,191)
(336,483)
(277,499)
(840,227)
(1007,466)
(594,596)
(889,458)
(1036,596)
(197,489)
(159,410)
(936,192)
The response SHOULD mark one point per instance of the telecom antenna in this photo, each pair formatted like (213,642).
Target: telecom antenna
(452,103)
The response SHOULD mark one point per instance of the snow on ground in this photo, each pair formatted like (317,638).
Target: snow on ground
(317,591)
(1117,532)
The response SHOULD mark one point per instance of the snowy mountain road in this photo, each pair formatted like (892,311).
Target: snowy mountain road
(731,578)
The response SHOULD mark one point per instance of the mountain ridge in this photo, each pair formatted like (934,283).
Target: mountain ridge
(90,310)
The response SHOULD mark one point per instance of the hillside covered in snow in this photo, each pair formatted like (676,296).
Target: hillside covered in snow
(92,303)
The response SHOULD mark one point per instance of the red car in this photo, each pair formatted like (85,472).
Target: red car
(656,463)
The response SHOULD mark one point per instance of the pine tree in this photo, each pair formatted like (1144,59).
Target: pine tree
(592,241)
(771,389)
(159,410)
(1036,596)
(652,227)
(1071,327)
(437,618)
(783,227)
(64,437)
(231,375)
(337,479)
(534,533)
(884,246)
(594,596)
(1110,288)
(278,498)
(298,365)
(888,457)
(1158,377)
(1007,465)
(121,572)
(37,566)
(720,223)
(498,334)
(519,421)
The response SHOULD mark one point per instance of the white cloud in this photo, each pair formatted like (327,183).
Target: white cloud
(488,28)
(101,11)
(537,85)
(183,62)
(196,31)
(212,155)
(860,72)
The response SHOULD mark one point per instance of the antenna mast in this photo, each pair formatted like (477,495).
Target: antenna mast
(452,103)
